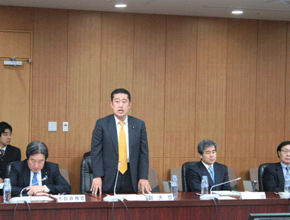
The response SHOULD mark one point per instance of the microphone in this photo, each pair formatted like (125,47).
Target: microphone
(211,196)
(213,186)
(114,198)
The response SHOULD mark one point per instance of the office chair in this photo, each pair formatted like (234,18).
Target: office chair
(184,169)
(261,170)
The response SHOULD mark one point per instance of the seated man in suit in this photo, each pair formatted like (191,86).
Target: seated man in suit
(36,176)
(274,174)
(8,153)
(216,172)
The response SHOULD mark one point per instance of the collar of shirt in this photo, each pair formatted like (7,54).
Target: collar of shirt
(207,166)
(284,167)
(3,148)
(117,120)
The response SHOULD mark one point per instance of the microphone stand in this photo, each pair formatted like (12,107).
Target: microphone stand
(211,196)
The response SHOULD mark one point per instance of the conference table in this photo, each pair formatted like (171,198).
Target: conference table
(187,206)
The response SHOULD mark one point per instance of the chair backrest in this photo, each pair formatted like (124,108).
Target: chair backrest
(232,175)
(254,177)
(184,168)
(166,186)
(177,172)
(65,174)
(261,170)
(86,173)
(153,180)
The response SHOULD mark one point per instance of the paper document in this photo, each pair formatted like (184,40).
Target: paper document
(227,193)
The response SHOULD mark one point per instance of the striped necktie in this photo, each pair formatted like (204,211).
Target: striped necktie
(211,173)
(122,149)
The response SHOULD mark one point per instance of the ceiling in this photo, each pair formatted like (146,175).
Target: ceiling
(253,9)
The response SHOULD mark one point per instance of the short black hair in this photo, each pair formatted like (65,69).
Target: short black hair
(3,126)
(282,144)
(36,147)
(121,90)
(204,144)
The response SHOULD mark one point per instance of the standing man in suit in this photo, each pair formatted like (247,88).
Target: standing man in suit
(216,172)
(35,176)
(119,144)
(8,153)
(274,174)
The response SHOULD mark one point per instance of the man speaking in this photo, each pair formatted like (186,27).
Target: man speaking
(119,145)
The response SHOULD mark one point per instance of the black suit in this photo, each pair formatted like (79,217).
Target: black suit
(104,151)
(11,154)
(273,178)
(194,176)
(20,178)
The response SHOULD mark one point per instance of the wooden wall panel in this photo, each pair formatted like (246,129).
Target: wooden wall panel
(287,88)
(149,75)
(83,92)
(15,44)
(83,87)
(241,93)
(116,56)
(16,18)
(211,81)
(270,97)
(180,86)
(49,79)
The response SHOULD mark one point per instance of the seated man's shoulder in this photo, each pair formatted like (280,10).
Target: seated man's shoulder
(13,148)
(220,165)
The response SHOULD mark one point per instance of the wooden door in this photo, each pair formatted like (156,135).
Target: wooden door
(15,85)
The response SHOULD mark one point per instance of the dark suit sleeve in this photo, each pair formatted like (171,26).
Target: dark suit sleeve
(193,180)
(57,184)
(225,179)
(143,157)
(97,151)
(14,176)
(270,180)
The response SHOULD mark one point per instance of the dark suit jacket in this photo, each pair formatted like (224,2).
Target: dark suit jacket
(273,178)
(194,176)
(20,178)
(11,154)
(104,151)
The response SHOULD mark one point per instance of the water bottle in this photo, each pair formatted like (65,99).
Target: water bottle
(174,186)
(204,185)
(287,183)
(6,190)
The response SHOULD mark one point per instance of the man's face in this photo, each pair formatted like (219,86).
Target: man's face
(284,154)
(5,138)
(121,105)
(36,162)
(209,155)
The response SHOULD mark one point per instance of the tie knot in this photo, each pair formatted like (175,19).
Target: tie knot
(121,123)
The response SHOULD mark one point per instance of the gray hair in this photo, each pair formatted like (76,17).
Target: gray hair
(36,147)
(204,144)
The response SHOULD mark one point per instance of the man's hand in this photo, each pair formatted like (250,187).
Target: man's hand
(96,186)
(33,190)
(1,180)
(144,186)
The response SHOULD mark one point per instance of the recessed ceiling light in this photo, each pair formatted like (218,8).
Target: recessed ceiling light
(120,5)
(237,12)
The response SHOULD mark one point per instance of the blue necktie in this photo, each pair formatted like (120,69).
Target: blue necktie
(34,180)
(211,173)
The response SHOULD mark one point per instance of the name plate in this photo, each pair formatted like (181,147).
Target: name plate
(159,197)
(253,195)
(70,198)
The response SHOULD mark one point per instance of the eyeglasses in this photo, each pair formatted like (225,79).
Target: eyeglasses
(36,161)
(210,152)
(285,151)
